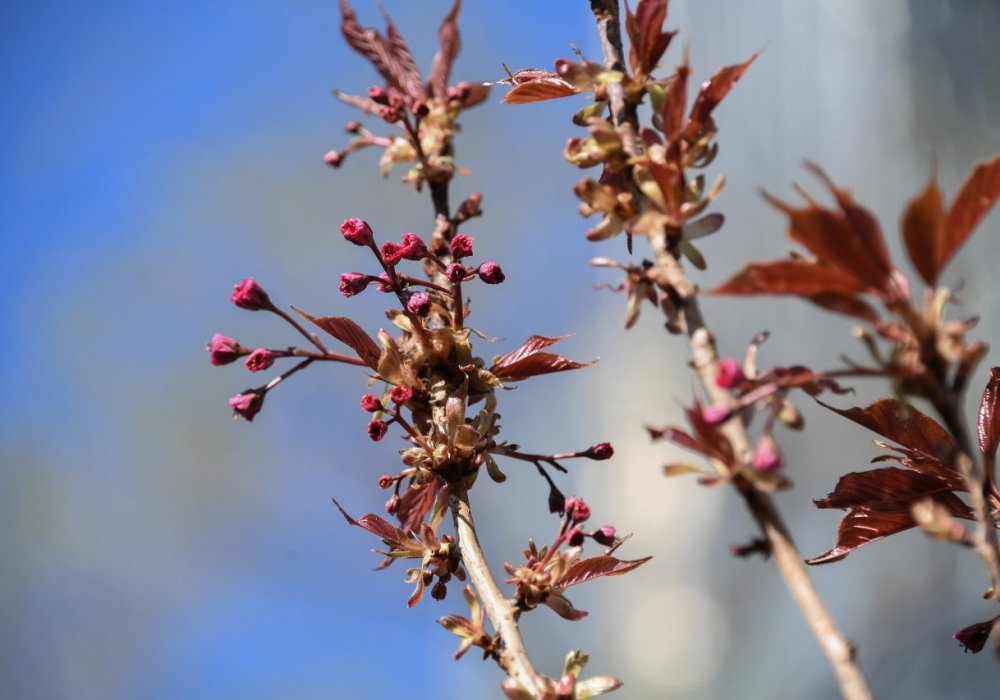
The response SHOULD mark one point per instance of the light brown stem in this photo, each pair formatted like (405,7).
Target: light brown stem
(513,655)
(839,652)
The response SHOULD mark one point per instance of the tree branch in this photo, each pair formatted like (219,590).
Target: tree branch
(839,652)
(513,655)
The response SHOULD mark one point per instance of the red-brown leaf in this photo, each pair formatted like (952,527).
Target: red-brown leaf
(529,360)
(409,74)
(972,203)
(415,502)
(795,277)
(450,43)
(585,570)
(846,304)
(536,86)
(988,425)
(350,334)
(647,39)
(891,489)
(862,526)
(563,608)
(369,43)
(390,534)
(930,447)
(711,93)
(923,232)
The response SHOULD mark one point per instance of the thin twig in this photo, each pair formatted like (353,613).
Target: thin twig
(839,652)
(513,657)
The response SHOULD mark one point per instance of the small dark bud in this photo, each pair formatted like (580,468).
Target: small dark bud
(379,94)
(439,591)
(333,158)
(377,429)
(973,638)
(490,273)
(456,272)
(600,451)
(604,535)
(385,481)
(421,109)
(557,501)
(392,505)
(575,537)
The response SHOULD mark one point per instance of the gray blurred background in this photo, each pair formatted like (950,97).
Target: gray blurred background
(155,154)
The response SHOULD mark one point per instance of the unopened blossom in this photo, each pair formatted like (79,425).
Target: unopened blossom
(248,404)
(455,272)
(251,296)
(419,304)
(371,403)
(333,158)
(223,350)
(575,537)
(352,283)
(766,457)
(600,451)
(460,246)
(604,535)
(357,232)
(973,638)
(490,273)
(413,247)
(730,374)
(715,414)
(392,253)
(401,394)
(577,510)
(377,429)
(260,359)
(385,481)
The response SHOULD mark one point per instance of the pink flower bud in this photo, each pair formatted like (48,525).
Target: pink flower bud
(419,304)
(401,394)
(248,404)
(604,535)
(421,108)
(766,457)
(455,272)
(352,283)
(260,359)
(370,403)
(249,295)
(392,505)
(357,231)
(715,414)
(413,247)
(974,637)
(385,481)
(384,283)
(490,273)
(333,158)
(576,510)
(392,253)
(575,537)
(377,429)
(353,127)
(379,94)
(224,350)
(602,450)
(730,374)
(460,246)
(439,590)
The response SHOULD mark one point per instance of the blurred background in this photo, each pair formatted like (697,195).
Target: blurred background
(154,154)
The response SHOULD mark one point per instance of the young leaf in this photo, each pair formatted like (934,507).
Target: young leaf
(795,277)
(923,232)
(450,44)
(647,40)
(529,361)
(409,74)
(391,535)
(349,333)
(711,93)
(585,570)
(415,503)
(973,201)
(368,42)
(988,425)
(891,489)
(532,85)
(862,526)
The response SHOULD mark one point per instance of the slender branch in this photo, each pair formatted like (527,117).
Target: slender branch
(513,657)
(839,652)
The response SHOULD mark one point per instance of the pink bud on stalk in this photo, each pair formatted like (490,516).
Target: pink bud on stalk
(730,374)
(414,247)
(604,535)
(575,537)
(490,273)
(600,451)
(251,296)
(224,350)
(352,283)
(248,404)
(377,429)
(715,414)
(419,304)
(576,510)
(260,359)
(455,272)
(461,246)
(766,457)
(357,232)
(401,394)
(370,403)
